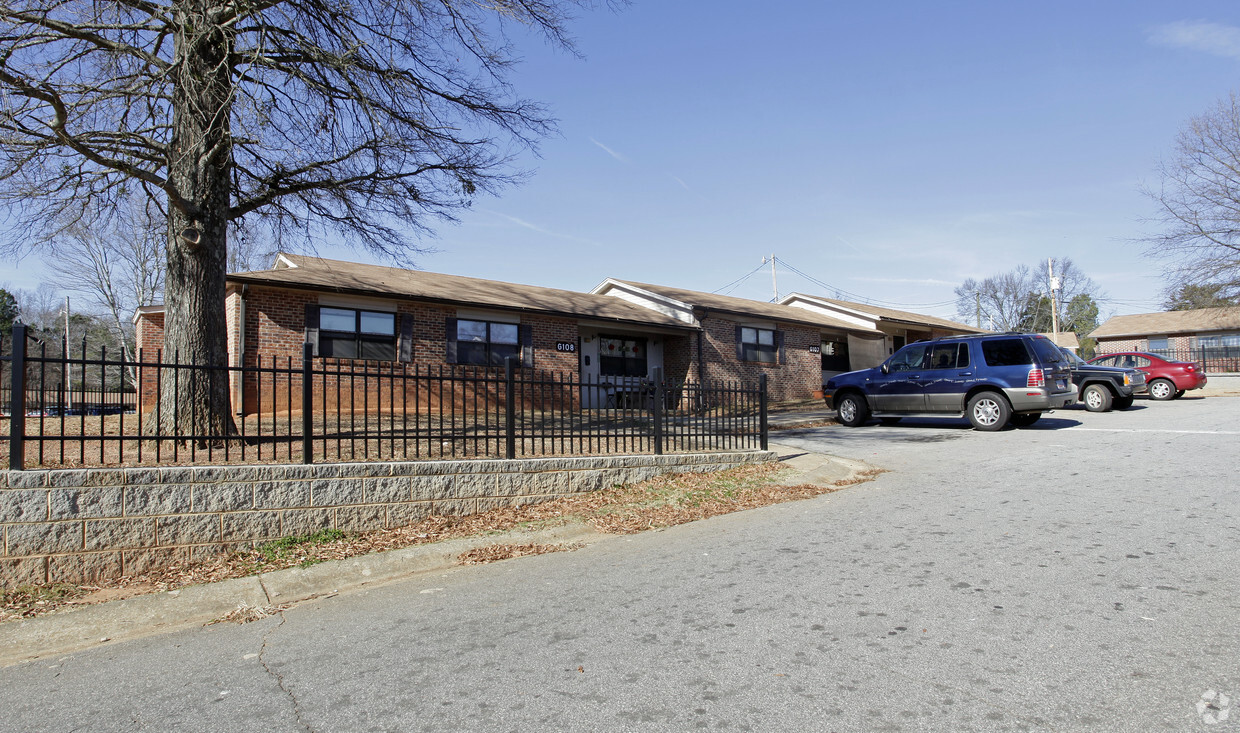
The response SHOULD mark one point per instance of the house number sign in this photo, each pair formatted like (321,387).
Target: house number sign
(815,349)
(566,346)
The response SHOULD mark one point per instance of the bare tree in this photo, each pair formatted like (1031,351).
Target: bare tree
(367,120)
(41,309)
(1198,201)
(1020,299)
(115,259)
(999,301)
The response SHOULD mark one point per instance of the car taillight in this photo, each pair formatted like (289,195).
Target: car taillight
(1036,378)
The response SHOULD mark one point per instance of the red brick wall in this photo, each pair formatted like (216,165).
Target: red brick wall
(149,338)
(150,333)
(796,378)
(679,360)
(1110,346)
(275,331)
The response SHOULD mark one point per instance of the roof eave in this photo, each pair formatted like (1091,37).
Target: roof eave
(374,292)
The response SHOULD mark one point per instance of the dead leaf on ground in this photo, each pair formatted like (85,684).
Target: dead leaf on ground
(663,501)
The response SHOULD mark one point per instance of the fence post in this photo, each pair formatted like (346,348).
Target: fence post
(762,402)
(307,404)
(658,407)
(17,401)
(510,408)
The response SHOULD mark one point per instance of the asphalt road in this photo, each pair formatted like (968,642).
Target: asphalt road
(1080,574)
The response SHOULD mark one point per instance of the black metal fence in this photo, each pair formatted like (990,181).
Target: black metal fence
(312,409)
(1215,359)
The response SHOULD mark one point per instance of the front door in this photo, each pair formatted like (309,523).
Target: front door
(948,377)
(901,389)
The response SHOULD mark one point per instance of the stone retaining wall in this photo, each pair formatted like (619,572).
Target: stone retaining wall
(85,525)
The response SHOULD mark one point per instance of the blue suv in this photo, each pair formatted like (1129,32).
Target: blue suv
(991,379)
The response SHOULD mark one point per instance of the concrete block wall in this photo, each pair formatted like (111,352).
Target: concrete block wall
(90,524)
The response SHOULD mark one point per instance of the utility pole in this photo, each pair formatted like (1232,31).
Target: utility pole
(977,294)
(68,365)
(774,282)
(1050,271)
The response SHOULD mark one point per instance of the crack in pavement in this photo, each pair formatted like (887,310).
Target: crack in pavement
(279,678)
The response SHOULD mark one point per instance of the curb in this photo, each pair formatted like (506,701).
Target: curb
(91,626)
(196,605)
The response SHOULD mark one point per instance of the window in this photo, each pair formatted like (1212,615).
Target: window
(1007,352)
(835,356)
(949,356)
(622,356)
(1046,351)
(349,333)
(757,344)
(1213,341)
(907,359)
(1157,343)
(486,343)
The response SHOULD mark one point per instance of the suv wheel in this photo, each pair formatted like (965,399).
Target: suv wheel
(989,411)
(1096,398)
(1162,389)
(852,411)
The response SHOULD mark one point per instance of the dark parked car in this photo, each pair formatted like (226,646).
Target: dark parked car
(1167,380)
(992,379)
(1102,387)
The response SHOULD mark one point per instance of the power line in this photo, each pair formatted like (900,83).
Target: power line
(864,299)
(735,283)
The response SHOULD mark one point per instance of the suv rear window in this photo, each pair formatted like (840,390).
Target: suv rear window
(1006,352)
(1048,353)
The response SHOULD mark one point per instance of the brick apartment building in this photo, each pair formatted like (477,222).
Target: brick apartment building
(1170,332)
(620,332)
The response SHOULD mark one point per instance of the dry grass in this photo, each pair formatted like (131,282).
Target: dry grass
(493,553)
(660,502)
(245,613)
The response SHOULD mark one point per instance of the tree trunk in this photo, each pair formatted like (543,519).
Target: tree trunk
(196,402)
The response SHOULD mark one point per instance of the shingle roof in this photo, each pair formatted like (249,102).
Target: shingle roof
(891,314)
(752,308)
(1066,339)
(316,273)
(1193,321)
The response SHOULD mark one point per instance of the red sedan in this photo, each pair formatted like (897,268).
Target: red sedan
(1167,380)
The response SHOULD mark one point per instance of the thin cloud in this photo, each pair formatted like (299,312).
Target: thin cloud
(683,185)
(610,152)
(535,228)
(849,244)
(904,280)
(1211,38)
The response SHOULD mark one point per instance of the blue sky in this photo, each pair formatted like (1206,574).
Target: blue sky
(890,150)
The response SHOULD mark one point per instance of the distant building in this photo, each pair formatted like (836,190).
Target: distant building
(1171,332)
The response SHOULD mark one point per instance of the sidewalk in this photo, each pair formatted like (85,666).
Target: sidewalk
(806,413)
(89,626)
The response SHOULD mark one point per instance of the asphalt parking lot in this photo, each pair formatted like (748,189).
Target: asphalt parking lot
(1076,575)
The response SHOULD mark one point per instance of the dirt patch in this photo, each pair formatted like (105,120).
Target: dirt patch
(493,553)
(624,509)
